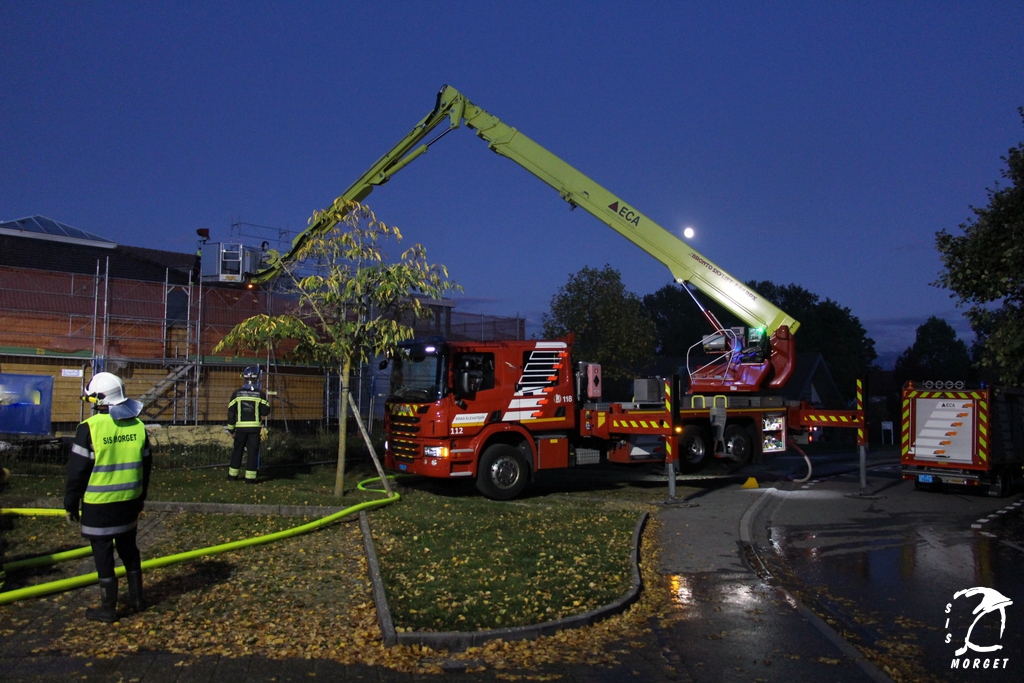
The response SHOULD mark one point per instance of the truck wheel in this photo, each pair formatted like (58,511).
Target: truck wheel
(738,444)
(503,472)
(694,449)
(1000,486)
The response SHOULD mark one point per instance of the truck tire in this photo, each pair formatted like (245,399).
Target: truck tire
(503,472)
(694,449)
(739,447)
(1000,486)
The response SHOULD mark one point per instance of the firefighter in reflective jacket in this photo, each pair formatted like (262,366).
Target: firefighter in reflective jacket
(246,412)
(108,477)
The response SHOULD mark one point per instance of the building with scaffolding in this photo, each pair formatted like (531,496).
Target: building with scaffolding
(73,303)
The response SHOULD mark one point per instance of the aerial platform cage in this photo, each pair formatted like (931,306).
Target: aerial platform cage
(228,262)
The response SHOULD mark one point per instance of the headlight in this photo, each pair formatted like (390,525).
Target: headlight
(435,451)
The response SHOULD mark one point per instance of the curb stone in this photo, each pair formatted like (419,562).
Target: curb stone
(461,640)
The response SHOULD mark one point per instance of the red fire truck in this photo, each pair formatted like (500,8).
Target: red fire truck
(954,435)
(499,411)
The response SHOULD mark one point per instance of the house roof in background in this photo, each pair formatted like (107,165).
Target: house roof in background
(41,227)
(164,259)
(41,243)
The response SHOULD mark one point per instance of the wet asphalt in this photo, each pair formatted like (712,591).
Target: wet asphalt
(887,564)
(721,550)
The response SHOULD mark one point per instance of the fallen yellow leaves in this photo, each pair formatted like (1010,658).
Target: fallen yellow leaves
(278,602)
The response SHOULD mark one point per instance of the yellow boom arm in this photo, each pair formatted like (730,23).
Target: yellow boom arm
(685,263)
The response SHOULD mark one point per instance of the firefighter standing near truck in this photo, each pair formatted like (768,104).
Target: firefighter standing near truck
(246,411)
(107,482)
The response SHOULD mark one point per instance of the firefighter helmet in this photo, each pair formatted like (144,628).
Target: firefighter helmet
(107,389)
(251,373)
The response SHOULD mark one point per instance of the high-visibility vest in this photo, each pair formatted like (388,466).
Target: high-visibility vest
(118,448)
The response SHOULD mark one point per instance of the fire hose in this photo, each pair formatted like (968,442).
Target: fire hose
(88,579)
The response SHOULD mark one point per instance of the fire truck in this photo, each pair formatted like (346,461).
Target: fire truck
(954,435)
(498,412)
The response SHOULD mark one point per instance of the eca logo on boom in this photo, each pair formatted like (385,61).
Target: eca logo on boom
(626,213)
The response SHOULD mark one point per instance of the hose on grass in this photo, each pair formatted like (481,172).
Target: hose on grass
(87,579)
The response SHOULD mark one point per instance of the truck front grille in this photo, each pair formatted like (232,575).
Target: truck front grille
(402,449)
(403,424)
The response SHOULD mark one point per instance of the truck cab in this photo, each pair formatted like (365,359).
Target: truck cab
(493,411)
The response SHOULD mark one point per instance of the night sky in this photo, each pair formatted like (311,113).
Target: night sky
(821,144)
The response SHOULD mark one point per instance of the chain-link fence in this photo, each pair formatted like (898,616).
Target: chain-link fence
(480,327)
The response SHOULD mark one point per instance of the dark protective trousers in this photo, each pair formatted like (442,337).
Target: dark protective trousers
(247,439)
(127,550)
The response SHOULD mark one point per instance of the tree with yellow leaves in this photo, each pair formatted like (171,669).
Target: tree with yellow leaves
(353,304)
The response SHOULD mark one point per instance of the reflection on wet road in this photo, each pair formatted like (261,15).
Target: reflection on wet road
(735,627)
(892,571)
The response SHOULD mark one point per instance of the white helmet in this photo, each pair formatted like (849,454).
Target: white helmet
(107,388)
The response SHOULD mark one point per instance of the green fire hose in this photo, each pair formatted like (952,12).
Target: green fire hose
(87,579)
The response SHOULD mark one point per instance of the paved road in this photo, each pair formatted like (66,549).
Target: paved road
(736,626)
(885,566)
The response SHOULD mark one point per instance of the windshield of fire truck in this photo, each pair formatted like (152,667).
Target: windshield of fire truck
(416,374)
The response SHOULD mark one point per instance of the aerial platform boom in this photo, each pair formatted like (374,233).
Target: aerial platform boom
(685,263)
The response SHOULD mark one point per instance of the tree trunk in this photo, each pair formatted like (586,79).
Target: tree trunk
(339,476)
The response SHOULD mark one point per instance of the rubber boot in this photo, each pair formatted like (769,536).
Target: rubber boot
(107,611)
(136,603)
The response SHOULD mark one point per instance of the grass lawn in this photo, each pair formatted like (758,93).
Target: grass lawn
(301,485)
(451,560)
(456,561)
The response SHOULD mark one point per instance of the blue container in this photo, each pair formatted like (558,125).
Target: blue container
(25,404)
